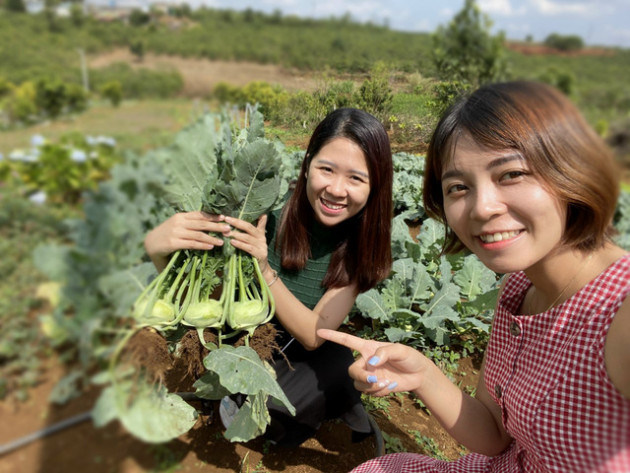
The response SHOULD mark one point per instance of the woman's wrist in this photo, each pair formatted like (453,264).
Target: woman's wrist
(269,274)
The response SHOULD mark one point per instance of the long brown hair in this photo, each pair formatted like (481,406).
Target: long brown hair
(563,150)
(364,256)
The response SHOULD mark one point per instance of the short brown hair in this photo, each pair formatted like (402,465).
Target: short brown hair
(543,125)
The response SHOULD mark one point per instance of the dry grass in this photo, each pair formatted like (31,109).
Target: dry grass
(138,125)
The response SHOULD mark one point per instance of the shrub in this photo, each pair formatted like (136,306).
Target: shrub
(272,99)
(112,91)
(445,94)
(564,42)
(50,96)
(140,83)
(76,98)
(375,95)
(20,105)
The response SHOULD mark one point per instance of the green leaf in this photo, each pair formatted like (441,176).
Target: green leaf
(241,370)
(208,386)
(474,278)
(191,163)
(251,420)
(123,287)
(51,260)
(248,186)
(151,414)
(372,304)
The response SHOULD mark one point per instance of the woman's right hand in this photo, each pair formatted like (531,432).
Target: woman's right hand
(381,368)
(186,230)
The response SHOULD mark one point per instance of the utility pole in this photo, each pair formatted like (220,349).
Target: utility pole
(84,72)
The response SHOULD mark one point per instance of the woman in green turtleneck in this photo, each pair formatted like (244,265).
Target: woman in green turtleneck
(329,242)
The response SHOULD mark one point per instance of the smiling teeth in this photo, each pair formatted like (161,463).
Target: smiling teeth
(491,238)
(332,206)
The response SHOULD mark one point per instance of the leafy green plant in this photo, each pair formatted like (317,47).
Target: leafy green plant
(112,91)
(428,294)
(61,172)
(393,444)
(428,445)
(247,186)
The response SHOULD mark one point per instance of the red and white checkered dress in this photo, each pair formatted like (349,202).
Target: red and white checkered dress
(547,373)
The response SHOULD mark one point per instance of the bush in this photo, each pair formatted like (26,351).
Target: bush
(61,172)
(564,42)
(445,94)
(140,83)
(20,105)
(272,99)
(76,98)
(112,91)
(227,93)
(50,96)
(375,95)
(562,80)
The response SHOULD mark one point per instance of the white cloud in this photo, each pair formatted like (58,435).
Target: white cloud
(549,7)
(498,7)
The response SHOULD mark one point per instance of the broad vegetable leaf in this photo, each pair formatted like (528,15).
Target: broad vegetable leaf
(152,414)
(240,370)
(248,186)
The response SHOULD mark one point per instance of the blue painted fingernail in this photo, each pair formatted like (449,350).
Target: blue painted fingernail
(392,385)
(374,360)
(371,379)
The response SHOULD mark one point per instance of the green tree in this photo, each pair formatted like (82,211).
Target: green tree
(113,92)
(17,6)
(137,49)
(51,96)
(466,52)
(375,95)
(564,42)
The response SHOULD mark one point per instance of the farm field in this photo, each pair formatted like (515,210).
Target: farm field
(143,125)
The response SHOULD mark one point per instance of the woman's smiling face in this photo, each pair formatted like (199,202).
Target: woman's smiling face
(338,181)
(498,208)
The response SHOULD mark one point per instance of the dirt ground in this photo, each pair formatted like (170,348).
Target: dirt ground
(201,76)
(85,448)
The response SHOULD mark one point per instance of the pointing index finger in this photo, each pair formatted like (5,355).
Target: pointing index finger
(345,339)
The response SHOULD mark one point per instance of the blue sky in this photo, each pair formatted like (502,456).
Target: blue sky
(597,22)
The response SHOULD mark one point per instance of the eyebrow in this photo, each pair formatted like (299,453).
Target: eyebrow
(492,164)
(353,171)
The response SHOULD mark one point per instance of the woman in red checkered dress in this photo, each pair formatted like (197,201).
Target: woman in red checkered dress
(522,181)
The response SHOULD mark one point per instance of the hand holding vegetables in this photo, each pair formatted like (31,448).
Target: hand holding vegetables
(252,240)
(184,231)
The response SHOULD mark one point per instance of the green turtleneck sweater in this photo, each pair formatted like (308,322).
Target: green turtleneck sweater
(305,284)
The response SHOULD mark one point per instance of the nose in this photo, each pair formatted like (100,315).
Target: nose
(336,186)
(486,203)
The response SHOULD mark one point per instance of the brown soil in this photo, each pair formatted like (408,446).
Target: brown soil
(200,76)
(83,447)
(541,49)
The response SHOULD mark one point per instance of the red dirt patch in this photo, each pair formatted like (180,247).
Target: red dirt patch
(540,49)
(83,447)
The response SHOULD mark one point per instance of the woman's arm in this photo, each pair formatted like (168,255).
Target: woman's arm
(383,368)
(301,322)
(617,349)
(186,230)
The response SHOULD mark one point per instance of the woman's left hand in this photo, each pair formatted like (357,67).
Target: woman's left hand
(250,238)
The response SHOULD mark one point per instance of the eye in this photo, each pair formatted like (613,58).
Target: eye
(513,175)
(455,189)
